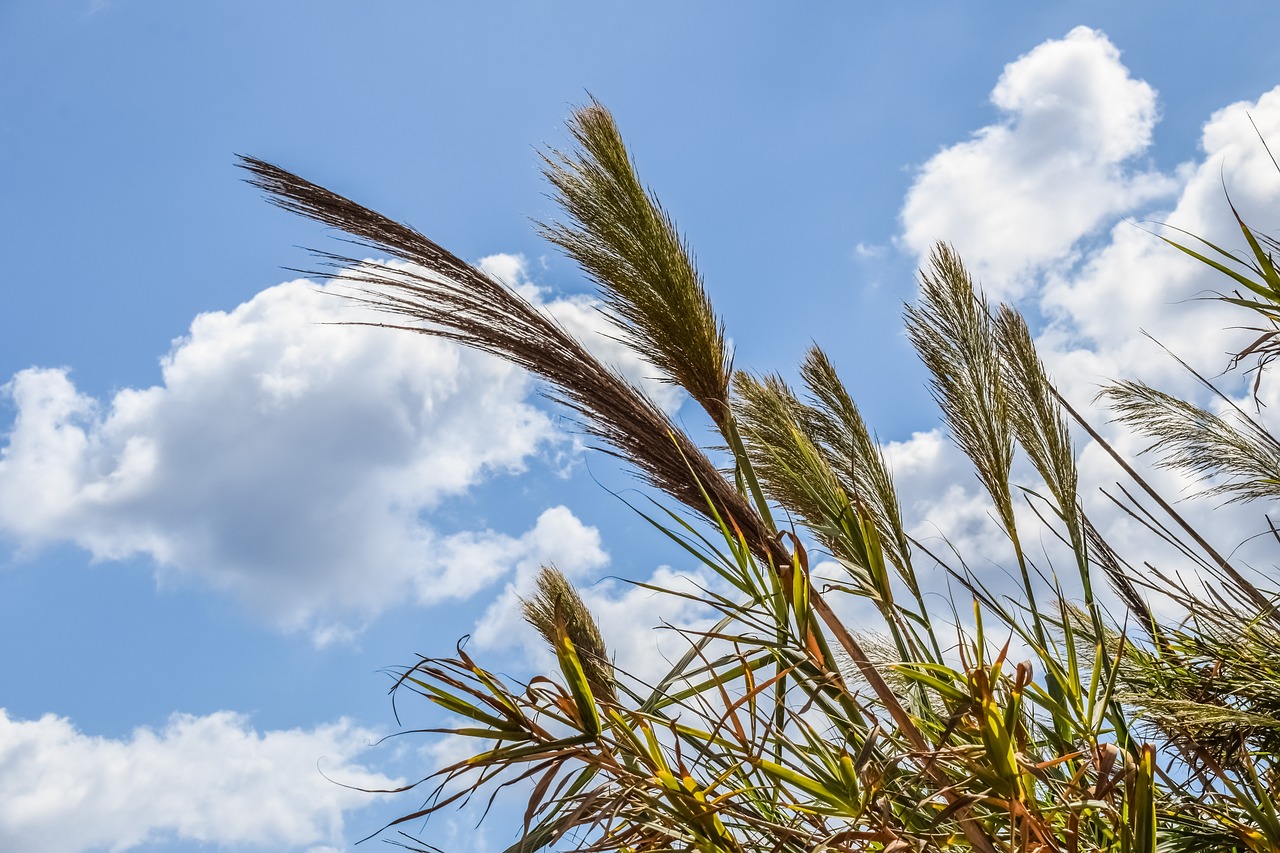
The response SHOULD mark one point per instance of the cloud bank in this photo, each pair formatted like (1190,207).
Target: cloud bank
(292,463)
(282,460)
(1061,161)
(210,780)
(1035,203)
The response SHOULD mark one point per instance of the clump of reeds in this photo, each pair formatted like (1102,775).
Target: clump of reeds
(782,729)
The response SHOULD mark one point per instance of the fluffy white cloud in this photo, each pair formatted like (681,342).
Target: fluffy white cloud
(1136,281)
(282,459)
(1056,167)
(292,462)
(1017,199)
(211,780)
(558,539)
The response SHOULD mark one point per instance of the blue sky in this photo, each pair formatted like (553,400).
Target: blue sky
(219,520)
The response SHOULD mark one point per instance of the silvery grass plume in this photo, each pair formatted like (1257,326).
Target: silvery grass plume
(625,242)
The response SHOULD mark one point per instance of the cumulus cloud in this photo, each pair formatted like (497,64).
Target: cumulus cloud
(209,780)
(1018,198)
(291,463)
(281,459)
(1060,162)
(1136,281)
(558,539)
(941,498)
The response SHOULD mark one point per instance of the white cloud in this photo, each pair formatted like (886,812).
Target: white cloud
(288,462)
(281,459)
(558,539)
(1017,199)
(211,780)
(631,617)
(1057,165)
(946,509)
(1136,281)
